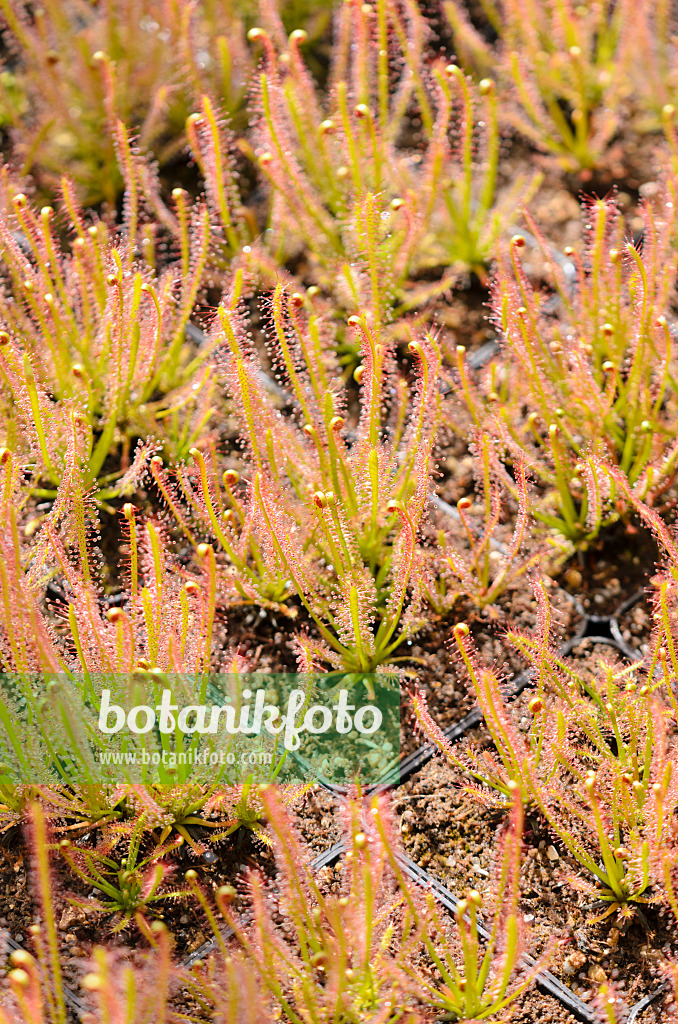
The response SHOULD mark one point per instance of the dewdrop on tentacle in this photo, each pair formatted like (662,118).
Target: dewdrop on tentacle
(19,978)
(92,982)
(590,782)
(226,894)
(21,958)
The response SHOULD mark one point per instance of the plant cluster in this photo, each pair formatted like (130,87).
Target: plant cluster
(597,761)
(228,408)
(143,63)
(58,667)
(572,73)
(332,513)
(370,213)
(93,351)
(585,396)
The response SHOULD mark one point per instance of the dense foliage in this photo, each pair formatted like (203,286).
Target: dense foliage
(234,240)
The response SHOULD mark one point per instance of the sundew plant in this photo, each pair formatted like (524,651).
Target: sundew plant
(338,487)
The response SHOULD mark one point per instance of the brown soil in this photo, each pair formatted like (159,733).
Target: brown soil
(635,624)
(615,567)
